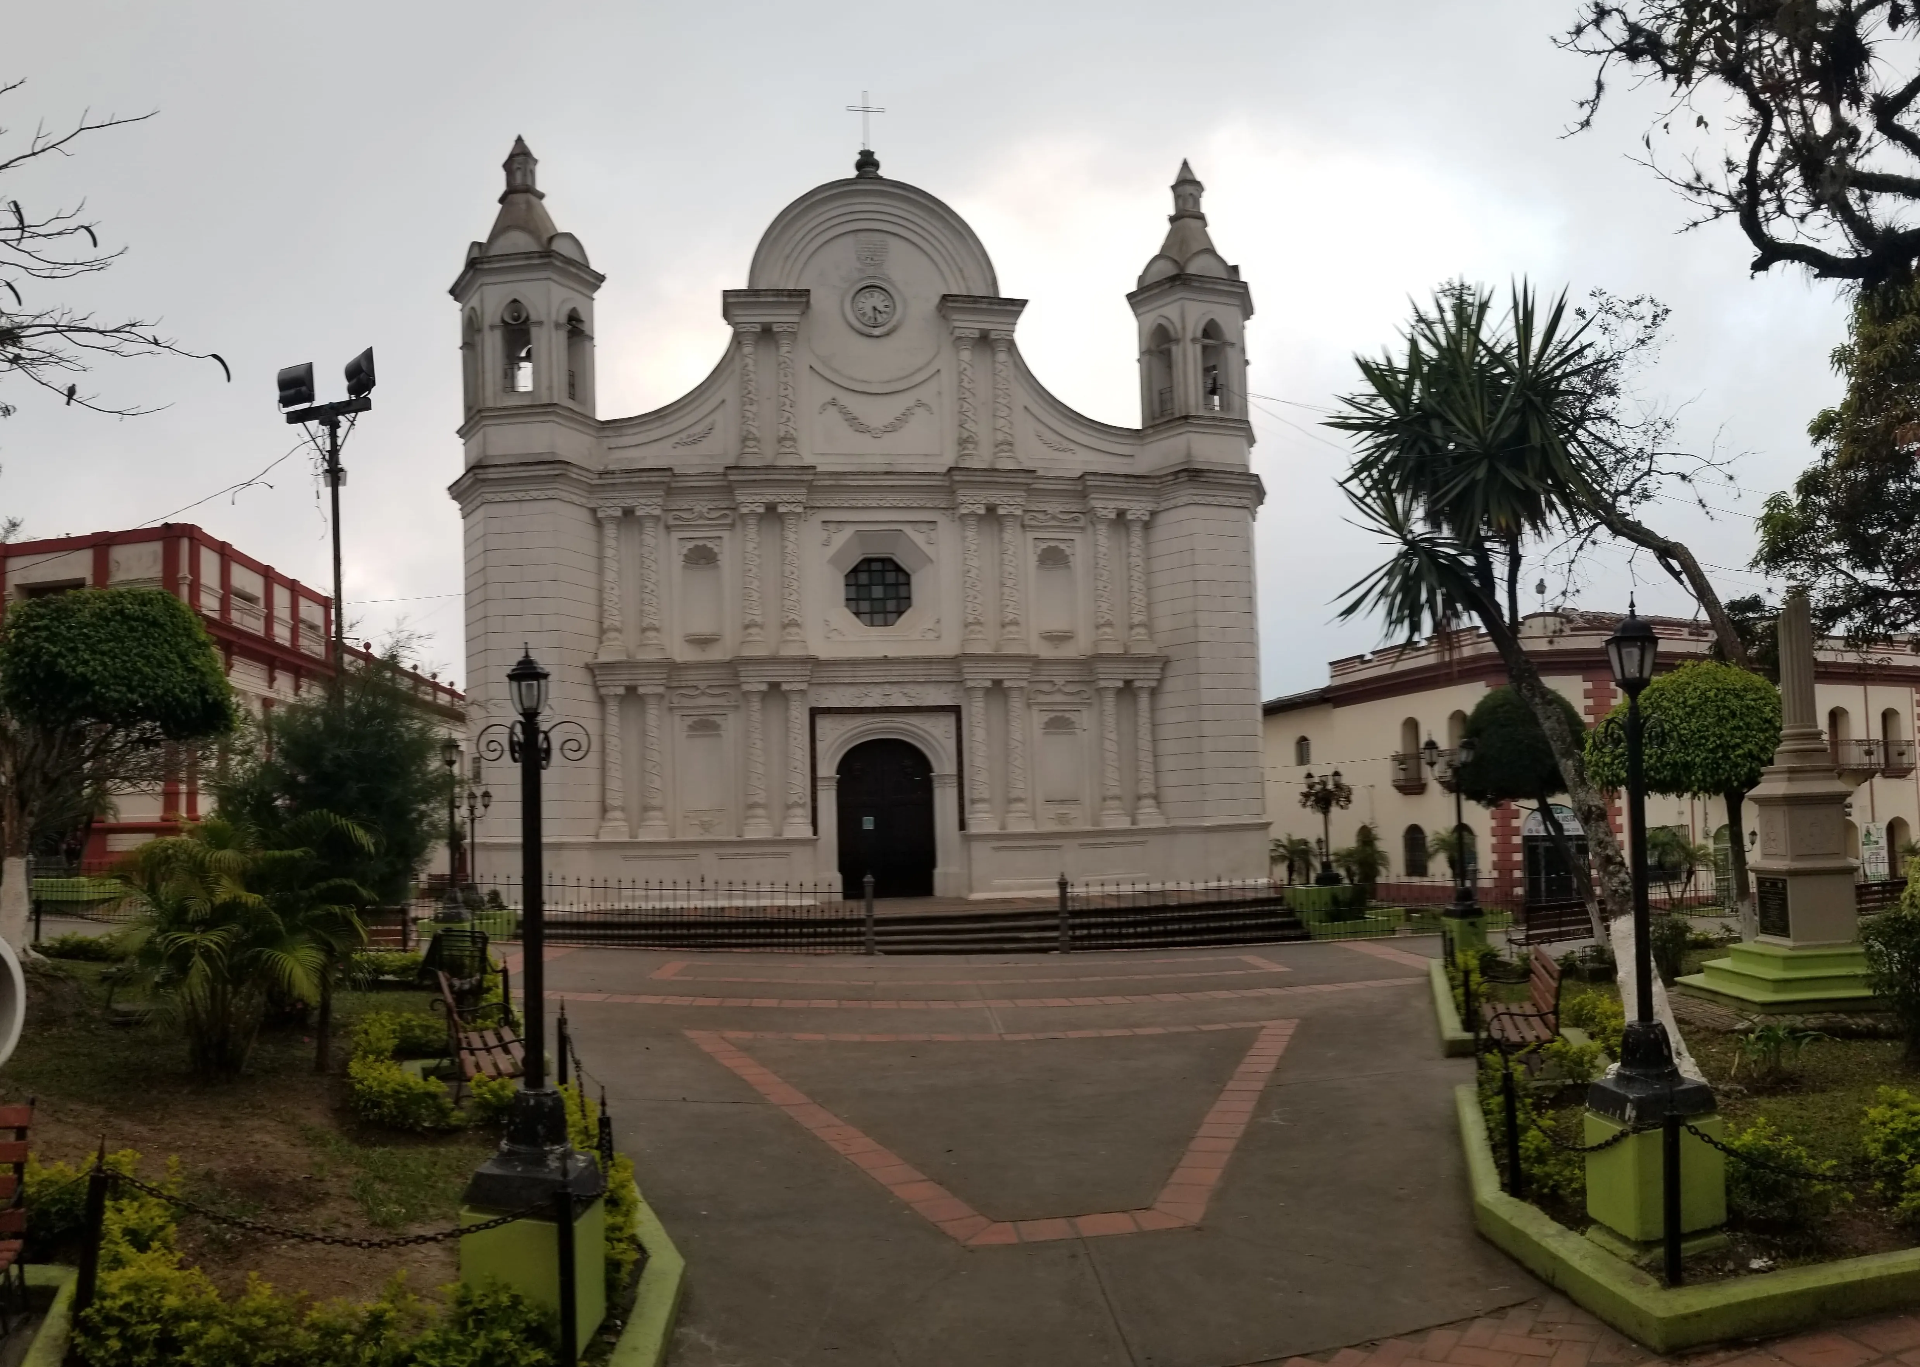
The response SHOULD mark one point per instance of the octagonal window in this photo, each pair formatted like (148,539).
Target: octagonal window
(879,592)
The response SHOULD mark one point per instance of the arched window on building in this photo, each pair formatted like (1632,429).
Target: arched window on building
(579,358)
(1303,751)
(1413,852)
(1159,363)
(1839,726)
(516,344)
(470,360)
(1213,368)
(1899,847)
(1456,729)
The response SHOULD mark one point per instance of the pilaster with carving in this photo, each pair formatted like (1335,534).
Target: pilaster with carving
(1019,809)
(1003,400)
(1112,811)
(792,633)
(653,769)
(963,341)
(787,443)
(650,639)
(972,589)
(797,820)
(1105,635)
(753,696)
(1139,636)
(747,335)
(613,781)
(1011,636)
(979,800)
(1146,798)
(753,623)
(611,646)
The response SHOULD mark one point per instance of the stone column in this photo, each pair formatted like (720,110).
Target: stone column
(792,633)
(649,515)
(799,747)
(613,779)
(612,647)
(1003,401)
(1106,636)
(1112,812)
(787,443)
(1012,639)
(973,590)
(1146,797)
(969,420)
(1139,636)
(1019,810)
(755,695)
(979,800)
(653,787)
(747,335)
(753,625)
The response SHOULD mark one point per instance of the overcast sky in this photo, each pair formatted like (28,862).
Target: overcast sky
(314,173)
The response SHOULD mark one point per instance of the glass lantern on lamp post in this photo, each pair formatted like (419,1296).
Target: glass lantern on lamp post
(1445,766)
(1323,794)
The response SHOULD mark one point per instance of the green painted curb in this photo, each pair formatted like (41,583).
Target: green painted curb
(643,1343)
(49,1347)
(1640,1307)
(1454,1041)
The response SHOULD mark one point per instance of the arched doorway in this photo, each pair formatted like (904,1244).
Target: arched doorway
(886,819)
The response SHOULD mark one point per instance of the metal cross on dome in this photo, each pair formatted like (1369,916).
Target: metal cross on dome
(866,111)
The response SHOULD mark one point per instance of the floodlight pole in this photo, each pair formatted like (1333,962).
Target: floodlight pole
(296,388)
(332,476)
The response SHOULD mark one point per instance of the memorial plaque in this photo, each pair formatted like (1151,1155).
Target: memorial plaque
(1770,898)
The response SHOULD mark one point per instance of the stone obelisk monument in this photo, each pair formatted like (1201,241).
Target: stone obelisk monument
(1806,956)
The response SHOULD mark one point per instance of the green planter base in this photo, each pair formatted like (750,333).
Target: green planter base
(1758,977)
(525,1256)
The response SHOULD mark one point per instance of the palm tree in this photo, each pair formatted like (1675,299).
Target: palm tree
(226,926)
(1296,852)
(1673,858)
(1364,860)
(1456,846)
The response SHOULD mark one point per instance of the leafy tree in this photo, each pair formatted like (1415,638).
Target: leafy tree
(1364,860)
(102,691)
(1715,727)
(1673,858)
(366,750)
(1850,529)
(48,343)
(1483,439)
(1514,762)
(1819,158)
(1455,845)
(228,923)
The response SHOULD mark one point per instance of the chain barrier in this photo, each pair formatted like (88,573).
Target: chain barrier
(1804,1174)
(1606,1143)
(336,1240)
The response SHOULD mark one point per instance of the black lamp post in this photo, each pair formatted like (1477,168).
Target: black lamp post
(1323,795)
(1464,903)
(1648,1084)
(477,802)
(450,756)
(534,1159)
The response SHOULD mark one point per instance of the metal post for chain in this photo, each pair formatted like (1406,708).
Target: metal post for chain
(560,1076)
(569,1291)
(506,996)
(96,1220)
(1670,1194)
(1466,996)
(872,941)
(605,1138)
(1510,1102)
(1066,915)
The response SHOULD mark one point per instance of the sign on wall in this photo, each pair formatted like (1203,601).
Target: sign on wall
(1873,851)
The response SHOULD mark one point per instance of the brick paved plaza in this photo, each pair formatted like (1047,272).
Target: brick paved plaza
(1185,1159)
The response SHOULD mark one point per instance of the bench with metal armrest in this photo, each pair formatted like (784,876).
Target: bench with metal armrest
(1534,1022)
(481,1039)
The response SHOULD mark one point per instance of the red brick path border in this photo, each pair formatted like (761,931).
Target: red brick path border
(975,1004)
(1182,1202)
(676,970)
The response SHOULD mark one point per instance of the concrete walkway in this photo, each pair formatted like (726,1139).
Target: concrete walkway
(1184,1158)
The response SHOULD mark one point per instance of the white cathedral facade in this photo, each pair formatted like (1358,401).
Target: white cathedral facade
(868,599)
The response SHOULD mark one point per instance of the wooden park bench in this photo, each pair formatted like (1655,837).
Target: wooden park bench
(458,956)
(481,1039)
(16,1121)
(1535,1022)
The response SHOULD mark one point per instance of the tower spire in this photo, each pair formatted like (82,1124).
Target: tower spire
(519,166)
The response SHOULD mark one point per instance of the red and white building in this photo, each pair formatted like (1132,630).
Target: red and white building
(1377,711)
(273,632)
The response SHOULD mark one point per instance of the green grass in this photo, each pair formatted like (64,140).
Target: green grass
(399,1183)
(1822,1098)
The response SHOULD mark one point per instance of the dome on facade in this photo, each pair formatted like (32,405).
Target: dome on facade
(872,203)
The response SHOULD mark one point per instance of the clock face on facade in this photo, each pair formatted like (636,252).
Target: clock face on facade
(872,306)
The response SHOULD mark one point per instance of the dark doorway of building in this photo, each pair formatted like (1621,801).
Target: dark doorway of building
(1549,879)
(886,819)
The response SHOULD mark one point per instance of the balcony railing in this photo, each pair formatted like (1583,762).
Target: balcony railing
(1866,758)
(1409,774)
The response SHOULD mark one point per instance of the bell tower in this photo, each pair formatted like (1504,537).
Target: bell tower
(526,307)
(1192,308)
